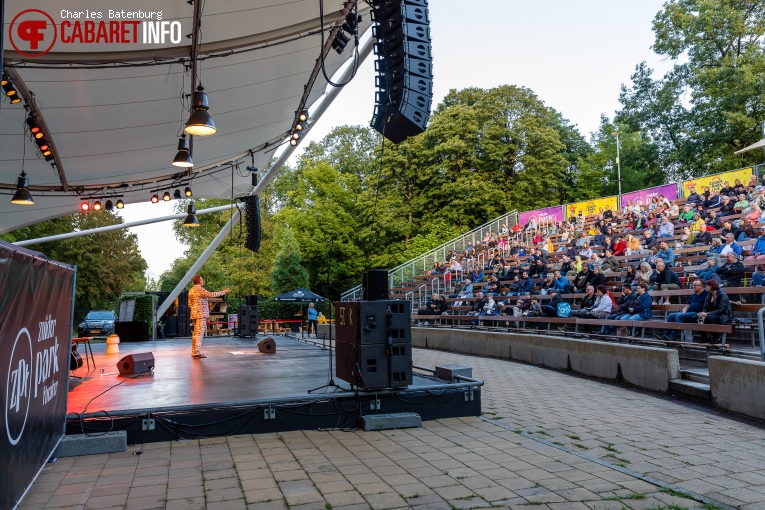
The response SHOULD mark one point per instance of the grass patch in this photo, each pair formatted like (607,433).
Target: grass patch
(675,493)
(612,456)
(542,433)
(634,495)
(534,503)
(328,506)
(610,448)
(687,463)
(579,445)
(574,437)
(517,431)
(558,443)
(467,497)
(711,506)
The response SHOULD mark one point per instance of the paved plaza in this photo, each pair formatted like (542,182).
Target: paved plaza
(546,440)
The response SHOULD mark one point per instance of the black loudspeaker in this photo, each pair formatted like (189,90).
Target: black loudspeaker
(374,284)
(136,363)
(374,343)
(267,346)
(248,321)
(133,331)
(404,68)
(252,206)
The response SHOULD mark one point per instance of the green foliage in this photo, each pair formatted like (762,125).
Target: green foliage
(709,104)
(270,309)
(288,273)
(108,263)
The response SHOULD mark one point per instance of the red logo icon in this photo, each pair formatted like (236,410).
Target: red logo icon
(33,33)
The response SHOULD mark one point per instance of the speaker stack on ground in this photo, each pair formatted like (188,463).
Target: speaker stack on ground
(252,209)
(404,68)
(248,317)
(374,338)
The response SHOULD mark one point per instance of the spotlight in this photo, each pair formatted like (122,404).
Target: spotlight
(295,135)
(183,158)
(22,195)
(84,206)
(341,40)
(177,194)
(49,157)
(34,128)
(351,22)
(154,198)
(303,116)
(166,196)
(96,205)
(10,91)
(120,204)
(299,126)
(191,220)
(293,142)
(109,205)
(42,144)
(200,122)
(47,153)
(188,192)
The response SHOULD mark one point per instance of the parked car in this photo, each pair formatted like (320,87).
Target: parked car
(97,323)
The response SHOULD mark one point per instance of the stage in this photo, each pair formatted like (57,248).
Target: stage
(237,390)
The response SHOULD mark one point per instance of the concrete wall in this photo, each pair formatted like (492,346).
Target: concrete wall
(644,367)
(323,329)
(738,385)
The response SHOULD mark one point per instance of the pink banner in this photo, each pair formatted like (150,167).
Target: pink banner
(542,216)
(645,196)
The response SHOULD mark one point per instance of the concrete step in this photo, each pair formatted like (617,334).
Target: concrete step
(691,388)
(700,375)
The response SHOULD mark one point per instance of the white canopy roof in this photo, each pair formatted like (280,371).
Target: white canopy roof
(756,145)
(114,111)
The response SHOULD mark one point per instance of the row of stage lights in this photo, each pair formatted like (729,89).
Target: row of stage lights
(300,126)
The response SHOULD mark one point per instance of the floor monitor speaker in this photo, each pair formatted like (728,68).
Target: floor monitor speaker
(267,346)
(139,363)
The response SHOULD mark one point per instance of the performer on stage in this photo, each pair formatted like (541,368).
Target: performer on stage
(200,311)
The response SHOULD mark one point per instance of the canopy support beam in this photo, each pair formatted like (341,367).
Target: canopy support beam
(365,49)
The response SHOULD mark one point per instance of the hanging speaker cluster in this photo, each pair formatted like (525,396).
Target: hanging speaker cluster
(252,207)
(404,68)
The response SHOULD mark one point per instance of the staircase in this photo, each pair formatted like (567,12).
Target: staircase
(693,382)
(403,278)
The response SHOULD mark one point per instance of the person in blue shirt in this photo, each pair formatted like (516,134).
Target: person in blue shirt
(476,276)
(758,250)
(689,313)
(666,253)
(731,245)
(706,273)
(313,317)
(527,284)
(561,283)
(641,311)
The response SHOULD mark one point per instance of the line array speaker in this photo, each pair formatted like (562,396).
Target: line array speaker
(252,209)
(248,321)
(404,68)
(374,284)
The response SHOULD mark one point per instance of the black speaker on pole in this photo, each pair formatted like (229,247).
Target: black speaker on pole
(374,284)
(404,68)
(252,209)
(248,321)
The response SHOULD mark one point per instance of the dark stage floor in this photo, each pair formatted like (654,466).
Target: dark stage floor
(233,371)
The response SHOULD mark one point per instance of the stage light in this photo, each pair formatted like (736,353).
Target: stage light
(341,40)
(84,206)
(42,144)
(10,91)
(154,198)
(166,196)
(109,205)
(49,157)
(96,205)
(120,204)
(47,152)
(303,116)
(34,128)
(177,194)
(188,192)
(299,126)
(293,142)
(191,220)
(200,122)
(352,21)
(22,196)
(183,157)
(295,135)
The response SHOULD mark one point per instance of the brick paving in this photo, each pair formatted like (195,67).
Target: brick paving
(548,440)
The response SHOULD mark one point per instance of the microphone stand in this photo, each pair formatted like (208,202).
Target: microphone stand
(331,381)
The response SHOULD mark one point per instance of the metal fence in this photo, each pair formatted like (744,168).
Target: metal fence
(420,265)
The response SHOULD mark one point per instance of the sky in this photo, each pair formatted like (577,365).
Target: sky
(574,55)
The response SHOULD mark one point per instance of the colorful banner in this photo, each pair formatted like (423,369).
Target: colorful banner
(592,207)
(644,196)
(544,216)
(717,182)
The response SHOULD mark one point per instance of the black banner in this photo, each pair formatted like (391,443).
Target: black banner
(36,313)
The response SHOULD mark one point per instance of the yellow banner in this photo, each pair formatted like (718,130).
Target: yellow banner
(716,182)
(592,207)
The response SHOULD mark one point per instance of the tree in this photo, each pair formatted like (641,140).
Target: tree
(108,263)
(288,273)
(709,105)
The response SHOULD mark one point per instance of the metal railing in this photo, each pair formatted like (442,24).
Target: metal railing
(421,264)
